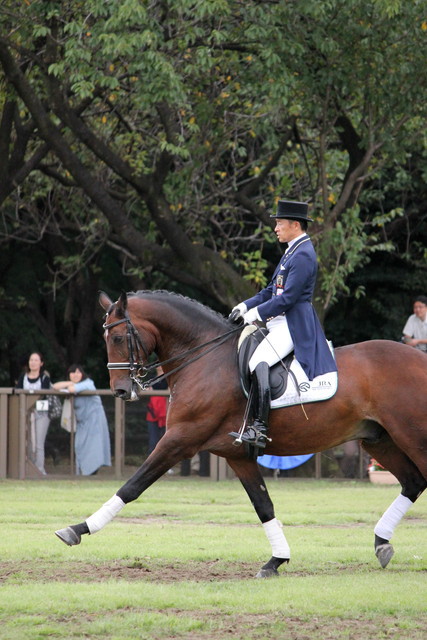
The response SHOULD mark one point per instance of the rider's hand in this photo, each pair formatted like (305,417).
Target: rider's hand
(251,316)
(237,313)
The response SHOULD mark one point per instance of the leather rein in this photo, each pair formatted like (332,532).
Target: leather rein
(136,367)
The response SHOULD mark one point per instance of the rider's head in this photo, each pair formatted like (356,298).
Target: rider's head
(291,210)
(291,219)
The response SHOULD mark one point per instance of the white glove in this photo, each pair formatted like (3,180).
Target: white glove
(251,316)
(238,312)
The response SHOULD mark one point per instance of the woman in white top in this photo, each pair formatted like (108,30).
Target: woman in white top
(34,379)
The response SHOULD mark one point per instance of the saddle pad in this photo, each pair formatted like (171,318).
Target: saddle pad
(286,390)
(321,388)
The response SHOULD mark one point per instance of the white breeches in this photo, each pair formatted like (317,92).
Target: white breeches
(275,346)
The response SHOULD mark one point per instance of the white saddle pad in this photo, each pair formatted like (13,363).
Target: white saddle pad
(321,388)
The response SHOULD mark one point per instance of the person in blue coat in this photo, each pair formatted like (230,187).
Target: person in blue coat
(285,305)
(92,441)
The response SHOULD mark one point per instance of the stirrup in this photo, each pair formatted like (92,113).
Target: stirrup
(256,437)
(237,438)
(254,441)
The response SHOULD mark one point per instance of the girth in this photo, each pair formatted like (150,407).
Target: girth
(279,373)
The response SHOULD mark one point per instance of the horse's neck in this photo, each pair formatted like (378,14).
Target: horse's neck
(178,342)
(181,340)
(179,329)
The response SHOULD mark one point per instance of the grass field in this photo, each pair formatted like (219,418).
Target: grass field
(180,563)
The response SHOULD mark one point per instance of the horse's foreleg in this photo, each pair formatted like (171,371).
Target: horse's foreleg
(413,484)
(167,453)
(249,475)
(72,535)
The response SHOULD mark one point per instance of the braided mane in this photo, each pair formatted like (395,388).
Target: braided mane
(179,300)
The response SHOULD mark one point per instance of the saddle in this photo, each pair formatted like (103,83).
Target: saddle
(280,373)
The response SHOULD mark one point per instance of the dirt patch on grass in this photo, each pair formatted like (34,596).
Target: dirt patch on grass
(276,626)
(280,627)
(147,570)
(141,569)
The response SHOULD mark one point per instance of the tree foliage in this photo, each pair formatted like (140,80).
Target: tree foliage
(165,131)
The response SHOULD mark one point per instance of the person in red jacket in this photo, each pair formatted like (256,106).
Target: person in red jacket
(156,414)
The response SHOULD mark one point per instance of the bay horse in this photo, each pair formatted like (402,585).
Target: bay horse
(381,401)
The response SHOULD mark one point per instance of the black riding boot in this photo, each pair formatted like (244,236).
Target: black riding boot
(255,436)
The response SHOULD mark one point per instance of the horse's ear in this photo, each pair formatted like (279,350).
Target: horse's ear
(122,304)
(104,301)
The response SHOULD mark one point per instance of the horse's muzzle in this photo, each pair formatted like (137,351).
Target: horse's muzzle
(126,392)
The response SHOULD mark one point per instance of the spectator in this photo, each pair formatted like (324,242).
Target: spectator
(156,414)
(92,440)
(33,379)
(415,329)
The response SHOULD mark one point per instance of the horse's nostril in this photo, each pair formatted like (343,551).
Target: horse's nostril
(121,393)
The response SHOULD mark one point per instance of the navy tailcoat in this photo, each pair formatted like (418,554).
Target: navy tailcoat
(290,293)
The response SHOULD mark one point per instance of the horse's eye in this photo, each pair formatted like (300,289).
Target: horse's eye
(117,339)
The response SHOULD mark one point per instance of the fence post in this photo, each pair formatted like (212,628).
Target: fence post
(218,468)
(4,402)
(22,430)
(318,465)
(119,437)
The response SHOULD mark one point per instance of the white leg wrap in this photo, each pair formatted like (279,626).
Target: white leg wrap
(274,532)
(105,514)
(391,518)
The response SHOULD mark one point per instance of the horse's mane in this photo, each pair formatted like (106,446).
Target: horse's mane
(178,300)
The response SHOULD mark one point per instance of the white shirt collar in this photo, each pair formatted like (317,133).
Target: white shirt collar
(292,242)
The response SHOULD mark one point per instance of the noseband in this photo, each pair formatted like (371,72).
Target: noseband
(135,366)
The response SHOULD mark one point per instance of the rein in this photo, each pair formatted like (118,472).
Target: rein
(137,369)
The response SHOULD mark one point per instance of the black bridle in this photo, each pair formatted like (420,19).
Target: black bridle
(135,366)
(138,369)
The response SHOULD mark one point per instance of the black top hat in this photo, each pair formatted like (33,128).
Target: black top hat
(292,210)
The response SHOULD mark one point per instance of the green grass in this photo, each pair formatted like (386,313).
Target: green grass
(179,563)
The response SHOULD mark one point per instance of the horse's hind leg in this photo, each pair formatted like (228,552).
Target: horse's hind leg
(249,475)
(413,484)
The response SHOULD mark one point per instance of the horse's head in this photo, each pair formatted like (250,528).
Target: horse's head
(127,349)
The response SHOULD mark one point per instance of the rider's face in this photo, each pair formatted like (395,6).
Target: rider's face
(287,230)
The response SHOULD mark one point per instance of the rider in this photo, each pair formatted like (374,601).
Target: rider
(285,305)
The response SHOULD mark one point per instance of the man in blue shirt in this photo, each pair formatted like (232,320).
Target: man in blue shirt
(285,305)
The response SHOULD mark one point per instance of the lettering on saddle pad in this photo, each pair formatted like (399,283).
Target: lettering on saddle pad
(250,339)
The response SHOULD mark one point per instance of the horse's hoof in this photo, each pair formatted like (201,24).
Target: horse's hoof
(267,573)
(69,536)
(269,570)
(384,553)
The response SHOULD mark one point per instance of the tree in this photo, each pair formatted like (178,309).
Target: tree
(183,122)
